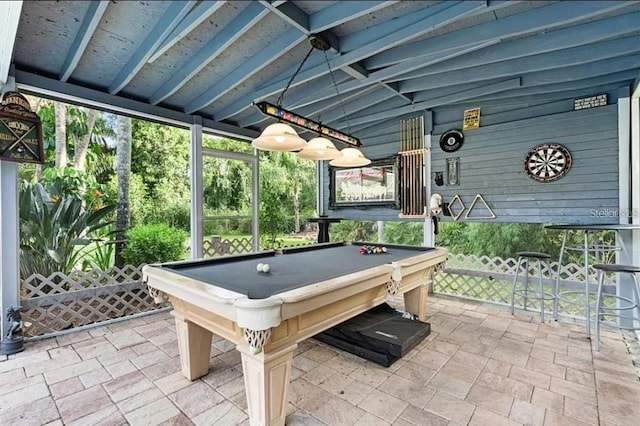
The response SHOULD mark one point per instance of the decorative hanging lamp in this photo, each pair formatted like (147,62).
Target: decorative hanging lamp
(319,149)
(282,137)
(350,157)
(279,137)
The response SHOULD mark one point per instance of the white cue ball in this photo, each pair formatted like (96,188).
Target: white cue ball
(260,267)
(266,267)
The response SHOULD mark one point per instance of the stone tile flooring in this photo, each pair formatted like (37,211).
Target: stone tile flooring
(479,366)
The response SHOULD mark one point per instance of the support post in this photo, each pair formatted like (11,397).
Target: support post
(255,200)
(197,191)
(428,228)
(9,229)
(634,178)
(628,200)
(9,243)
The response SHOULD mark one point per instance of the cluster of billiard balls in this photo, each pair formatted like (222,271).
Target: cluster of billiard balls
(372,250)
(263,267)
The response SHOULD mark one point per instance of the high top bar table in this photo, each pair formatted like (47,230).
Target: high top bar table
(323,226)
(587,230)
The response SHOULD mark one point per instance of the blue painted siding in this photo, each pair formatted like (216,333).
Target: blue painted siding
(492,163)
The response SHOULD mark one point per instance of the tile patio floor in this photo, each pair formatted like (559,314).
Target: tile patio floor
(479,366)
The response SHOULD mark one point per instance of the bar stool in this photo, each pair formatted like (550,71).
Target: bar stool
(525,257)
(601,311)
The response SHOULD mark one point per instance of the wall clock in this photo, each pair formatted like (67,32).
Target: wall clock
(547,162)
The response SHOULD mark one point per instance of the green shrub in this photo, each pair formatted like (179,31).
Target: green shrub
(354,230)
(156,242)
(175,215)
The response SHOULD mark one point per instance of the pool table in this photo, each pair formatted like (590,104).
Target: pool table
(308,290)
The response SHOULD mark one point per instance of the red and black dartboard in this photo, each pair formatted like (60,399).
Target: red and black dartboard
(547,162)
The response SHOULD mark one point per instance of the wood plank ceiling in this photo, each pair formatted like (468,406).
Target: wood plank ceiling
(388,59)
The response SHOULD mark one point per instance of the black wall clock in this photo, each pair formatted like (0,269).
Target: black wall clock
(451,140)
(547,162)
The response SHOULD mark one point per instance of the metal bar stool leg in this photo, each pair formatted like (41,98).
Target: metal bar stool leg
(526,282)
(636,291)
(515,283)
(587,311)
(556,288)
(598,309)
(542,295)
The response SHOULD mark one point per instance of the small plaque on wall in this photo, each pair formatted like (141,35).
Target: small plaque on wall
(590,102)
(471,119)
(20,131)
(453,171)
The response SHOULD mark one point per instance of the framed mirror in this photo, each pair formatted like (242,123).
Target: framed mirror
(374,185)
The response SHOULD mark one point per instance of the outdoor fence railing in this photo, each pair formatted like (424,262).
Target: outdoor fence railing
(61,302)
(51,305)
(491,280)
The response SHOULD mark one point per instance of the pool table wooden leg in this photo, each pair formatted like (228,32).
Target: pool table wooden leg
(194,343)
(266,380)
(415,301)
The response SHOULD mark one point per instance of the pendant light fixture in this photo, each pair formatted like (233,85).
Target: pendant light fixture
(279,137)
(319,149)
(350,157)
(282,137)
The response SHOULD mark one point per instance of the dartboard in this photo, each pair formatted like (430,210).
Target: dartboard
(547,162)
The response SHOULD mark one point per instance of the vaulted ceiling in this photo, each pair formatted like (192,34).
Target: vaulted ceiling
(388,59)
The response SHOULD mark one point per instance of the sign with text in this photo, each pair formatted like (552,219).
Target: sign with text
(20,131)
(471,119)
(590,102)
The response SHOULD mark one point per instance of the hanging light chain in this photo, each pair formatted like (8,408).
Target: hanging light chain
(281,97)
(344,113)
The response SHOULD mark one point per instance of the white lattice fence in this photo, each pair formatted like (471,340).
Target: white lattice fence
(218,247)
(491,280)
(60,302)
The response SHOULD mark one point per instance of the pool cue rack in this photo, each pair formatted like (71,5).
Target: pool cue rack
(413,200)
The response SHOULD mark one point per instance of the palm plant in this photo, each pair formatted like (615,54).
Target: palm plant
(54,224)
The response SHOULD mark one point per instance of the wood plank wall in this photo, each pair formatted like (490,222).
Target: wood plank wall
(492,163)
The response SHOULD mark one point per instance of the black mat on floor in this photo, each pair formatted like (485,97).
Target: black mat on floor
(381,335)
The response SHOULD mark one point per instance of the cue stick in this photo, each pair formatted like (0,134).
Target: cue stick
(402,162)
(402,165)
(416,158)
(420,158)
(415,178)
(406,160)
(411,166)
(418,180)
(419,166)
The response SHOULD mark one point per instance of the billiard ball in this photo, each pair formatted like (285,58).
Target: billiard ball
(260,267)
(266,268)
